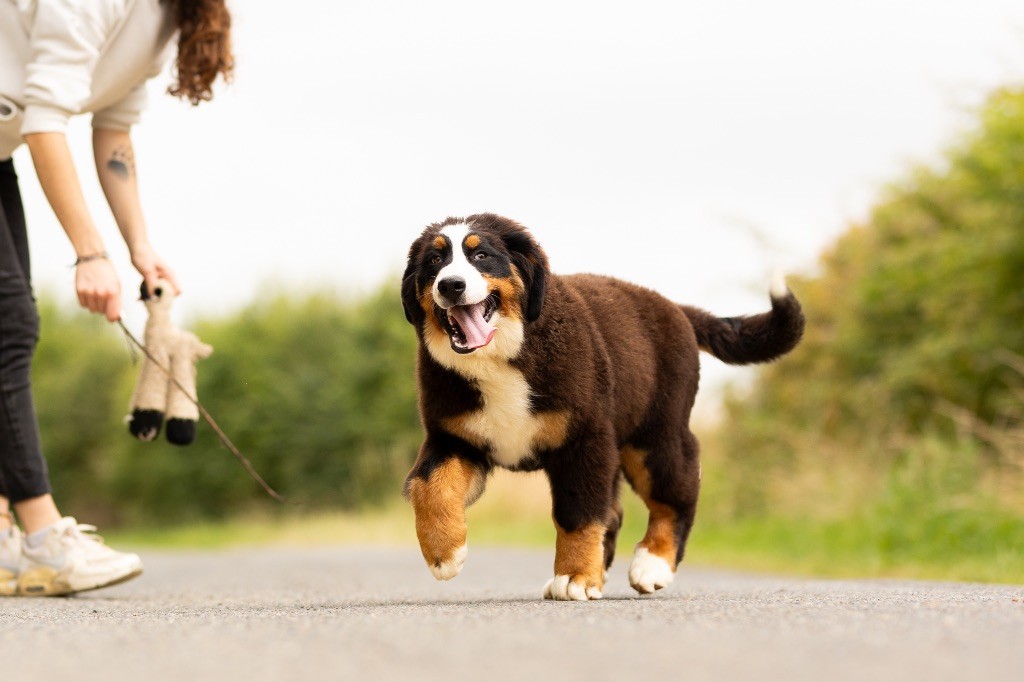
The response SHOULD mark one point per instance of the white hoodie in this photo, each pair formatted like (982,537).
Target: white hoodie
(59,58)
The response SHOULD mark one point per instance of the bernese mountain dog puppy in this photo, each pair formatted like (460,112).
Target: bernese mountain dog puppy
(589,378)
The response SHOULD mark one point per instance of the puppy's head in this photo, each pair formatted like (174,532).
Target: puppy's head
(472,278)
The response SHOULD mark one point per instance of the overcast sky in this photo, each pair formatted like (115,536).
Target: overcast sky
(691,147)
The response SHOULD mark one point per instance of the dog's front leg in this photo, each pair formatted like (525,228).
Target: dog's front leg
(440,488)
(582,478)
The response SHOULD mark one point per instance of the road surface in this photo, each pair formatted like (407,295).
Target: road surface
(325,614)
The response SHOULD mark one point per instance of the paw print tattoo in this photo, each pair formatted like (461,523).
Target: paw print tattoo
(122,162)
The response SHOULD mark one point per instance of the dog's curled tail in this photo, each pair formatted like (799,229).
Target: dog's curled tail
(751,338)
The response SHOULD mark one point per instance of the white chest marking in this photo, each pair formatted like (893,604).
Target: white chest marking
(505,422)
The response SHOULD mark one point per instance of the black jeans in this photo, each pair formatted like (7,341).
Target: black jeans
(22,467)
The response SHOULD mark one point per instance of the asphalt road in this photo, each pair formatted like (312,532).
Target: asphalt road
(272,614)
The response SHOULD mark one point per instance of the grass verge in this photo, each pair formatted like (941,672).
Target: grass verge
(966,544)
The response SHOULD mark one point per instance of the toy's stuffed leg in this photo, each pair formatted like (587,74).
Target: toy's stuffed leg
(182,414)
(149,401)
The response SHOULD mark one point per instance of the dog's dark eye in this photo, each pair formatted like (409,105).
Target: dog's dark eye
(480,255)
(435,259)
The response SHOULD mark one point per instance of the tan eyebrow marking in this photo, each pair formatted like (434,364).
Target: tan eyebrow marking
(440,242)
(473,241)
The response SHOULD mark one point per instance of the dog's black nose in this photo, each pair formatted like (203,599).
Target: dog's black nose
(452,288)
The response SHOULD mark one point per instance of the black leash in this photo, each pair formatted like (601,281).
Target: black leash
(209,420)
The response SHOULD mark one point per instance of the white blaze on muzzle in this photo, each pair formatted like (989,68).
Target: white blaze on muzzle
(470,316)
(476,285)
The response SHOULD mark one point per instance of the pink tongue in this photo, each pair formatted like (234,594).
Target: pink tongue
(477,330)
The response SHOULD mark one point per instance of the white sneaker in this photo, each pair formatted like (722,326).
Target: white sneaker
(73,559)
(10,563)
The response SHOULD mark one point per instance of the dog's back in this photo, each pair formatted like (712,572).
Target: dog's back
(623,346)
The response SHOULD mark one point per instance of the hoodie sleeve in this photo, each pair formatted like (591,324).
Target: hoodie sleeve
(123,114)
(65,42)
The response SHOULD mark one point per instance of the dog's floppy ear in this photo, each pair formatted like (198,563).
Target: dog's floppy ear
(532,263)
(410,302)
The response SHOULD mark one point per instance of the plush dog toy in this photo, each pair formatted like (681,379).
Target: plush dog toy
(156,396)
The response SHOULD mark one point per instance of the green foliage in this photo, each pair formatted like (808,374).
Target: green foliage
(899,418)
(81,384)
(912,311)
(318,393)
(930,514)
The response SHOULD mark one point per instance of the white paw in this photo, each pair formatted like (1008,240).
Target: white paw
(447,570)
(563,588)
(649,572)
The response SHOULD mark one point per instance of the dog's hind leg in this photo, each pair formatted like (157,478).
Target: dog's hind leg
(668,481)
(583,476)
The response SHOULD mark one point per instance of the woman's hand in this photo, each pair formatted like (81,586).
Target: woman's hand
(152,267)
(99,289)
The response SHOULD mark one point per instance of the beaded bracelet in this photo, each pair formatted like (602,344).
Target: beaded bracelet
(91,257)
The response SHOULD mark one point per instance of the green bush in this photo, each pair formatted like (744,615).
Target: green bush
(900,418)
(318,393)
(916,310)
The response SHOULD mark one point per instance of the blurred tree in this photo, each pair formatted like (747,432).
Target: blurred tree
(912,314)
(317,392)
(79,379)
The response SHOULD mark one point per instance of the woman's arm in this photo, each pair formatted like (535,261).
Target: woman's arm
(115,166)
(95,280)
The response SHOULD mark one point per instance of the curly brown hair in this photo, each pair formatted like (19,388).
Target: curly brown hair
(204,48)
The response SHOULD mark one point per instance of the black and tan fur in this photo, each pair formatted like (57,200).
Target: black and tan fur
(588,378)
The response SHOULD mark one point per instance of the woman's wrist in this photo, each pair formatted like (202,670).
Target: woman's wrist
(89,257)
(140,245)
(88,246)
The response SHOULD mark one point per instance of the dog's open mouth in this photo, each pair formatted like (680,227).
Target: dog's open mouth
(469,326)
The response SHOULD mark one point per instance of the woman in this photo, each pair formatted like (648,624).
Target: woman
(59,58)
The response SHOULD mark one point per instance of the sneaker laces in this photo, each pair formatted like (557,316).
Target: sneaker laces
(82,536)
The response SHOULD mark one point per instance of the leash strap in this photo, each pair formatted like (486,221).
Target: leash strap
(225,441)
